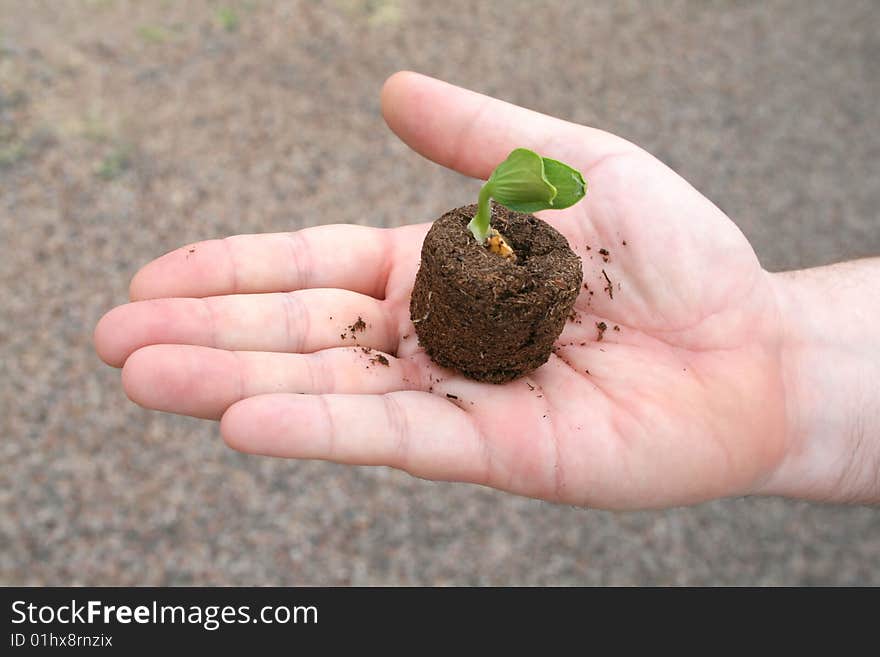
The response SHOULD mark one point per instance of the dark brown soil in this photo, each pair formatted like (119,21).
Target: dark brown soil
(489,318)
(610,287)
(353,329)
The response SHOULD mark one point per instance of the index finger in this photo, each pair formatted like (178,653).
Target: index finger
(350,257)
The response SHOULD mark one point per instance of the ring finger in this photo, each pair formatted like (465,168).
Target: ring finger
(204,382)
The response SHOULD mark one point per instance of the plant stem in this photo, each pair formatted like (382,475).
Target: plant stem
(479,225)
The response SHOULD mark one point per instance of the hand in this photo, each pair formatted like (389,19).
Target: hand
(683,399)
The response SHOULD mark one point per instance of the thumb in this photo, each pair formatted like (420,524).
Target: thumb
(471,133)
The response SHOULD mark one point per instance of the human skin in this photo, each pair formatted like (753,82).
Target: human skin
(723,379)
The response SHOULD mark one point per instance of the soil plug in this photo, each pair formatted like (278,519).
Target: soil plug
(496,283)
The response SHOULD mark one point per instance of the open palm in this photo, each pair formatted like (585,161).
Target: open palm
(681,399)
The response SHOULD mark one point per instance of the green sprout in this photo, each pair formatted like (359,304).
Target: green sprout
(527,182)
(228,19)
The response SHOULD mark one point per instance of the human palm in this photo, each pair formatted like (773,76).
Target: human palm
(681,400)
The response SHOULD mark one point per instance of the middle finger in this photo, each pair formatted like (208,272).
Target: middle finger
(303,321)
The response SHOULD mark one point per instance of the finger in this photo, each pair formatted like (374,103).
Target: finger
(415,431)
(204,382)
(471,133)
(303,321)
(354,258)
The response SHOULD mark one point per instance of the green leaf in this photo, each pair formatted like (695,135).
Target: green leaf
(569,183)
(520,184)
(527,182)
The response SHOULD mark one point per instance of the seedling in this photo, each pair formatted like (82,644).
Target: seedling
(475,311)
(524,182)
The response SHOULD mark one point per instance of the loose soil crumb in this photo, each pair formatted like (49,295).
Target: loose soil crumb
(604,253)
(531,387)
(451,396)
(616,327)
(610,287)
(354,328)
(379,359)
(601,326)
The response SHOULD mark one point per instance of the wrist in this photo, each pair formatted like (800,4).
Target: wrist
(830,347)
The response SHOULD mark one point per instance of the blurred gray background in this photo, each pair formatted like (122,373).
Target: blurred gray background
(129,128)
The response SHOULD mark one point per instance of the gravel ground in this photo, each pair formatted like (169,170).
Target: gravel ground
(130,128)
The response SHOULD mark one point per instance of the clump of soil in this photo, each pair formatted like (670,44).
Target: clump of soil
(354,328)
(610,287)
(490,318)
